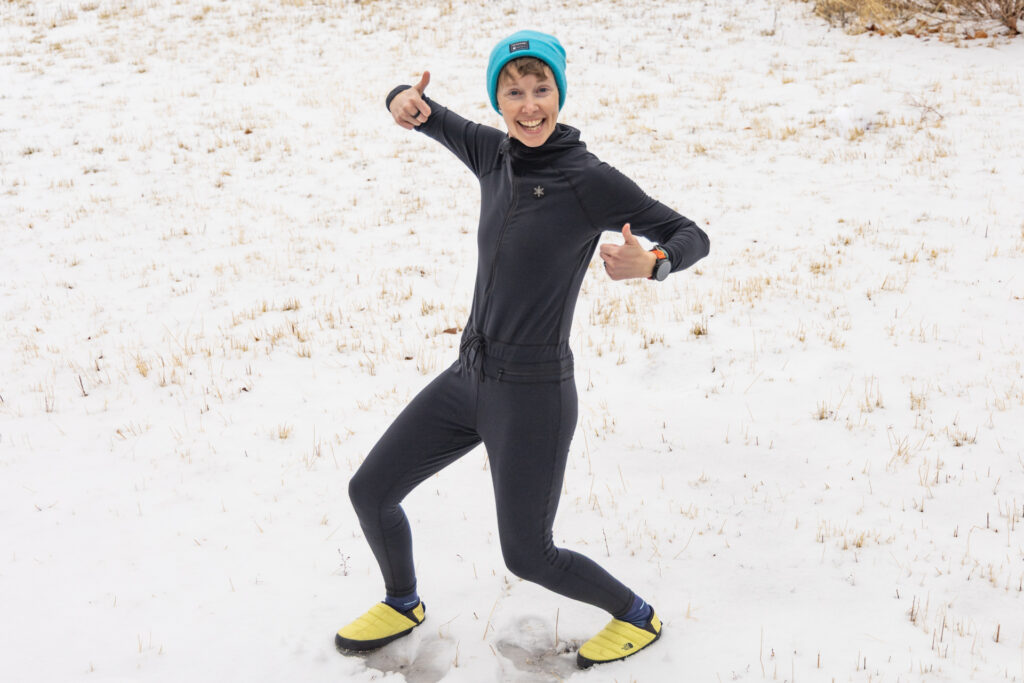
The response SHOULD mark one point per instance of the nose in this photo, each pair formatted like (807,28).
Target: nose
(530,103)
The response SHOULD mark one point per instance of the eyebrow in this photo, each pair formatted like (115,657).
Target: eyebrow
(508,82)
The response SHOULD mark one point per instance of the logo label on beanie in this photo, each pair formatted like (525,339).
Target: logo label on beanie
(521,45)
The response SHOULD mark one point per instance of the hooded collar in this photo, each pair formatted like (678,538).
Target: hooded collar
(561,140)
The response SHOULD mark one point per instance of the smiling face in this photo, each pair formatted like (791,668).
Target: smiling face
(528,100)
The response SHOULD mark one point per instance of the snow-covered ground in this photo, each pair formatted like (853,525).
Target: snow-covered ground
(224,271)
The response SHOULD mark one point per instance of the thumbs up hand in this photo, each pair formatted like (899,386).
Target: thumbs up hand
(630,260)
(408,107)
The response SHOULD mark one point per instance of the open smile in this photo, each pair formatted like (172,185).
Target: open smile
(531,126)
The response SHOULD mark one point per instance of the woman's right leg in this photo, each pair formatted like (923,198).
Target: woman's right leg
(435,429)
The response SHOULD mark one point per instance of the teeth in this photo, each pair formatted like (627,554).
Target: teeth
(531,124)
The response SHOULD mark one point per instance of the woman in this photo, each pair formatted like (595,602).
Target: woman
(544,202)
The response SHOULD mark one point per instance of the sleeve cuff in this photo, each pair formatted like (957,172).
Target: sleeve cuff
(391,95)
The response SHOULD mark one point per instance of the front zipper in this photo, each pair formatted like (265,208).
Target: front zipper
(497,248)
(485,306)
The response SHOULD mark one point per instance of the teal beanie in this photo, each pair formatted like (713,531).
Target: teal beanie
(527,44)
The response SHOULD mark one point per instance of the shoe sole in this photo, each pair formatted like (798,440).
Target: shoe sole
(584,663)
(346,646)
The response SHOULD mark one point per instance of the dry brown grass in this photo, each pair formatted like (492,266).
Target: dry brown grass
(897,16)
(858,12)
(1009,12)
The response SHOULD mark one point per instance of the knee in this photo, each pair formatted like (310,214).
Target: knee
(522,566)
(528,564)
(361,493)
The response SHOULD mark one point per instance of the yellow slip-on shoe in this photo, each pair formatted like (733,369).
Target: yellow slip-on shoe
(618,640)
(378,627)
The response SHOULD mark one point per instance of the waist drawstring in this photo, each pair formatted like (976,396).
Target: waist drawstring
(471,352)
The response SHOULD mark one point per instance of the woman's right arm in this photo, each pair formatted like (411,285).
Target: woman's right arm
(474,144)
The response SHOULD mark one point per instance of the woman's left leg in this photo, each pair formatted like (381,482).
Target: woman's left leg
(527,429)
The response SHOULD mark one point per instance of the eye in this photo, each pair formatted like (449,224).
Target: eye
(512,93)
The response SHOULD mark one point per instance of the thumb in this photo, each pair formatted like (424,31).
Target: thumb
(627,235)
(424,81)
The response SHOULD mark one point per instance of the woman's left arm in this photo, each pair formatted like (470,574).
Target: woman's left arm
(616,200)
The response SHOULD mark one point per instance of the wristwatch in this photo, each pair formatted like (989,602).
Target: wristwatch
(662,267)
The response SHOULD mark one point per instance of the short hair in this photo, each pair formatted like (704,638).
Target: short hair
(526,66)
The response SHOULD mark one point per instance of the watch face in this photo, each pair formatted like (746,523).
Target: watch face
(662,269)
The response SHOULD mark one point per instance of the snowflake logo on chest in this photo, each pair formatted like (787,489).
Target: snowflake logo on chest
(538,192)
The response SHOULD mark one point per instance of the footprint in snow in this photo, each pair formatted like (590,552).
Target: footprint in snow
(533,654)
(419,658)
